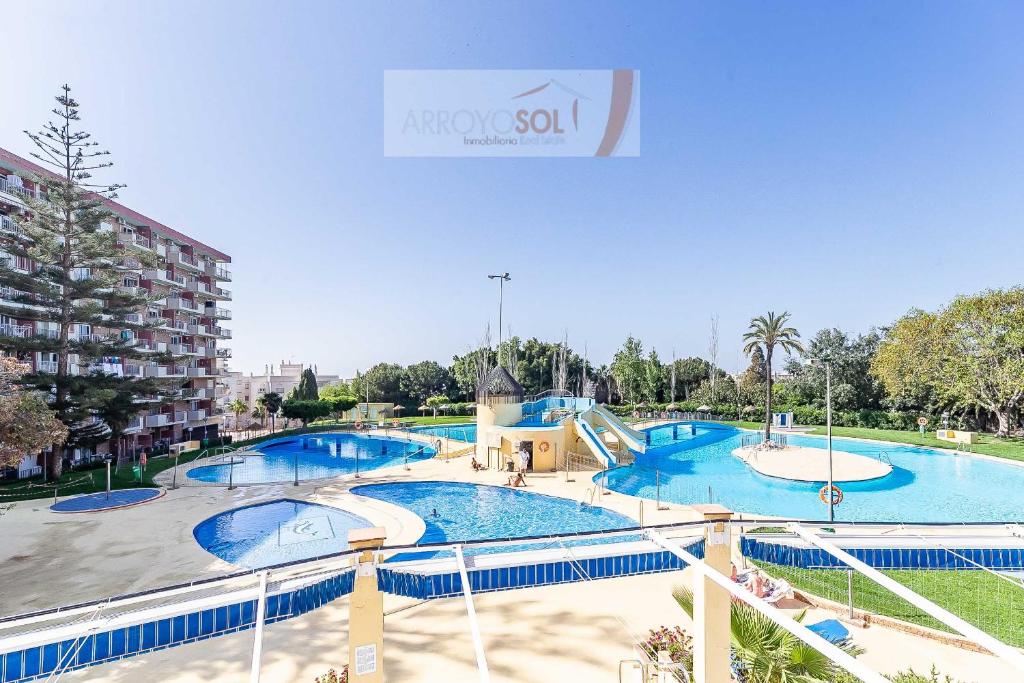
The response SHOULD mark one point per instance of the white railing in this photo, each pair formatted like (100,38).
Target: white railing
(215,312)
(187,260)
(7,225)
(49,366)
(142,241)
(9,330)
(10,188)
(159,420)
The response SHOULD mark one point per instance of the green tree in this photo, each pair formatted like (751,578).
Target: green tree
(765,334)
(72,291)
(767,653)
(306,411)
(654,378)
(239,408)
(853,385)
(27,424)
(271,402)
(628,369)
(307,388)
(341,403)
(690,372)
(436,401)
(464,370)
(424,379)
(384,382)
(970,354)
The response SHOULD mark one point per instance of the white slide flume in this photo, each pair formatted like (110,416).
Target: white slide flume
(594,442)
(634,440)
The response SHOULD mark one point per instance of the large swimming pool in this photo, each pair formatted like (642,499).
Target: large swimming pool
(455,511)
(314,456)
(458,432)
(280,531)
(925,485)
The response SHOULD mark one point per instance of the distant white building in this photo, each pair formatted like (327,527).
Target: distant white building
(250,387)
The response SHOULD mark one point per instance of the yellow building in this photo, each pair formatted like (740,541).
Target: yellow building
(548,428)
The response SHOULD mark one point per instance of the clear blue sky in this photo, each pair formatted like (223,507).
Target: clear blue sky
(844,161)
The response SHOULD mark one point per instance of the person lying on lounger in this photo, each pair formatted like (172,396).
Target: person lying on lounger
(517,481)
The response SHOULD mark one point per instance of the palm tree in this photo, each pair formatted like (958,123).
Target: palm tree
(766,333)
(238,407)
(271,403)
(764,652)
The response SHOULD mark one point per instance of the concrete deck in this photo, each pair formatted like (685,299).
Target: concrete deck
(801,463)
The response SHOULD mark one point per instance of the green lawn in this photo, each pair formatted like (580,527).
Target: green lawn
(988,601)
(1011,448)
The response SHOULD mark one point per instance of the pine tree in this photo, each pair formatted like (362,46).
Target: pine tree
(65,266)
(307,389)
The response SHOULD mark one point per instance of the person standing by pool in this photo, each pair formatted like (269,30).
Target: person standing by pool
(524,458)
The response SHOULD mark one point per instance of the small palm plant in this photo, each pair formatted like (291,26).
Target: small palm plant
(764,652)
(765,333)
(238,407)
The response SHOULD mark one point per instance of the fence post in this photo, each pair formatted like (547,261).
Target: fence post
(849,590)
(711,601)
(174,477)
(257,644)
(231,472)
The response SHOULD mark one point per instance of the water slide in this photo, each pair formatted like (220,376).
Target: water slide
(634,440)
(594,442)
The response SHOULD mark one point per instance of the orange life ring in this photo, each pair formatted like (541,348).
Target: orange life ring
(543,447)
(837,495)
(359,426)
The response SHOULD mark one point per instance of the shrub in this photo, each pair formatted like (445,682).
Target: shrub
(911,676)
(676,642)
(333,676)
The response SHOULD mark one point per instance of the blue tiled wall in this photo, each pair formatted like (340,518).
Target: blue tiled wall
(886,558)
(425,587)
(129,641)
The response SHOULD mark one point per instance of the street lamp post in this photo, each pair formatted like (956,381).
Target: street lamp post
(827,364)
(502,279)
(828,425)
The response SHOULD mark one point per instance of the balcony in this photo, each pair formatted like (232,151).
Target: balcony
(201,330)
(136,423)
(179,304)
(134,239)
(219,272)
(162,371)
(222,332)
(196,415)
(184,260)
(106,368)
(49,366)
(8,226)
(9,330)
(159,420)
(219,313)
(198,372)
(130,263)
(133,370)
(223,353)
(13,189)
(183,349)
(165,277)
(149,345)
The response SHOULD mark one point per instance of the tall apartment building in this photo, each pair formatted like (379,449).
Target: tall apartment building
(190,310)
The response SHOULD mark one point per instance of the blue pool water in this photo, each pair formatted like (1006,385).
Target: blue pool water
(260,535)
(318,456)
(100,501)
(925,485)
(473,512)
(458,432)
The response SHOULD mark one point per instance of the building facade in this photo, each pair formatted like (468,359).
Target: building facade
(188,315)
(250,387)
